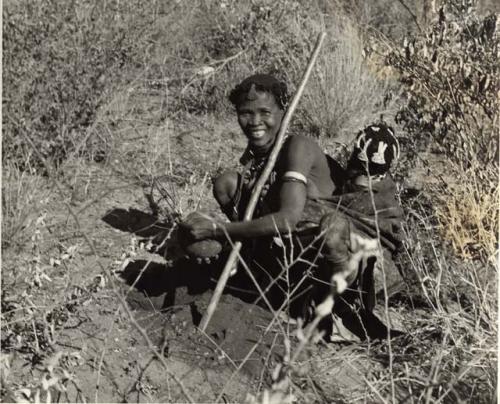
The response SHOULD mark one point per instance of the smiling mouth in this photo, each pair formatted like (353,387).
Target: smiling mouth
(257,134)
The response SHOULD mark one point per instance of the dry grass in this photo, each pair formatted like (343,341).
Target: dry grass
(24,194)
(467,211)
(346,93)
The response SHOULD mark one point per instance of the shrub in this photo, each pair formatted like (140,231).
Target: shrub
(450,81)
(60,61)
(450,75)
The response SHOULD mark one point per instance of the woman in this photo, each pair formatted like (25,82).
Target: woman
(298,203)
(302,170)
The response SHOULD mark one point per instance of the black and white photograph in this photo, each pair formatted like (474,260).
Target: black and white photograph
(250,201)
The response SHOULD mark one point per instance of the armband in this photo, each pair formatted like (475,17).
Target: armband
(295,176)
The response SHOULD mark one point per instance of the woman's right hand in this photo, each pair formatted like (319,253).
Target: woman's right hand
(197,226)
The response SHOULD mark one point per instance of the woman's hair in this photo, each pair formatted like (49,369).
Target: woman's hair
(262,82)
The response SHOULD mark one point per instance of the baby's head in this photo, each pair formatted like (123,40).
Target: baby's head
(376,150)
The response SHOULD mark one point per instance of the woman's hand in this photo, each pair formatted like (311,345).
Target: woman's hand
(196,236)
(199,227)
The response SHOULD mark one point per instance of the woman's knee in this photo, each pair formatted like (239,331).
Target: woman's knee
(225,187)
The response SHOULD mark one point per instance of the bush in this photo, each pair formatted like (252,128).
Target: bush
(451,84)
(61,60)
(450,79)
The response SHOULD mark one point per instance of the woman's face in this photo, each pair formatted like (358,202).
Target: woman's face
(260,119)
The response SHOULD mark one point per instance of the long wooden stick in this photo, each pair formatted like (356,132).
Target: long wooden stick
(280,137)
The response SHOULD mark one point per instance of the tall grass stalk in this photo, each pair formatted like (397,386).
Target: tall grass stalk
(24,194)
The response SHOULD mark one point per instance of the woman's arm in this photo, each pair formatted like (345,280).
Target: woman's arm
(299,157)
(292,201)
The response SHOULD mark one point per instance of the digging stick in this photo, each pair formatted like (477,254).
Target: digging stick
(280,137)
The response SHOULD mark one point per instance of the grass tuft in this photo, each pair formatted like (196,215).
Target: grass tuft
(467,212)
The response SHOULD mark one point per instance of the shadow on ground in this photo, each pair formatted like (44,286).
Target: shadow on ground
(162,234)
(160,283)
(137,222)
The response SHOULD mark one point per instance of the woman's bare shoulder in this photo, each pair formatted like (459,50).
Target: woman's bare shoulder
(302,142)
